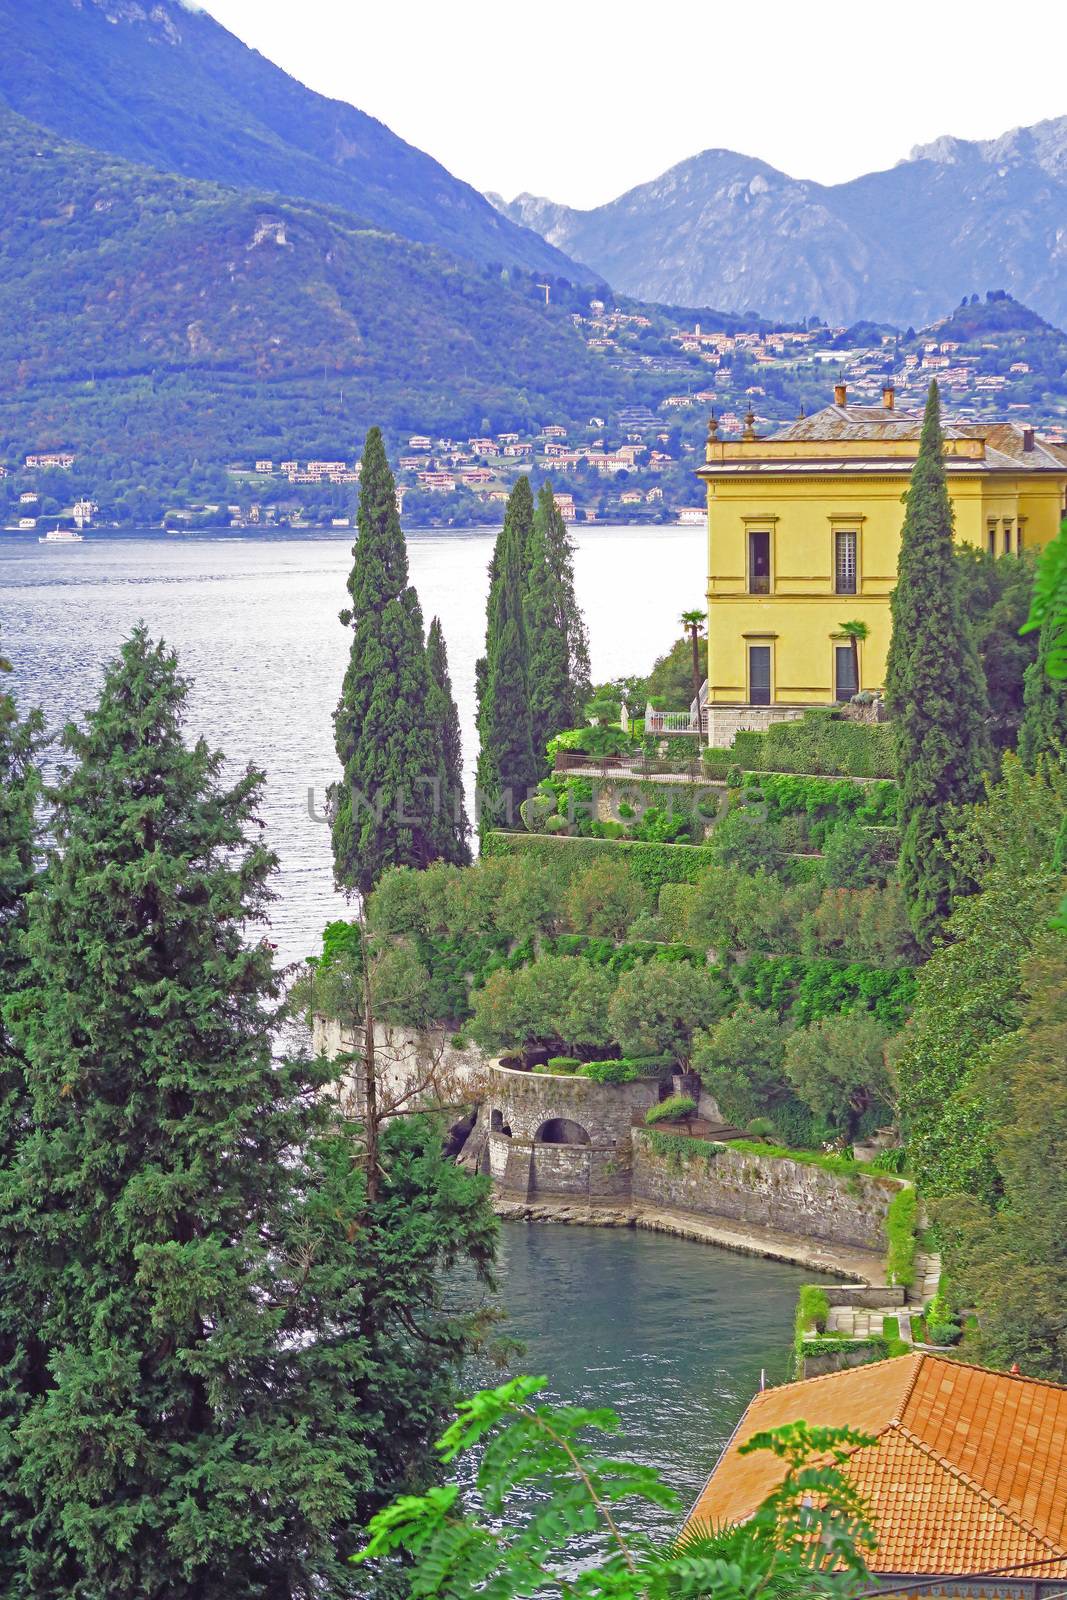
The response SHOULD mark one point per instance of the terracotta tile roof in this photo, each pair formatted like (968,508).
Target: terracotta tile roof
(969,1473)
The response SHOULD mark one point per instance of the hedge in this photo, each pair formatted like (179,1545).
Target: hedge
(900,1229)
(821,743)
(652,865)
(676,1108)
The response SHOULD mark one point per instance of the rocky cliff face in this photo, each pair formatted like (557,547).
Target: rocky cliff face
(723,229)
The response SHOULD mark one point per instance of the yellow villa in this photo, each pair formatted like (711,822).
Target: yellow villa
(803,535)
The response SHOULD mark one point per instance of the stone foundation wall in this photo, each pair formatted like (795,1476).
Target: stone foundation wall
(404,1057)
(525,1101)
(726,721)
(524,1169)
(766,1192)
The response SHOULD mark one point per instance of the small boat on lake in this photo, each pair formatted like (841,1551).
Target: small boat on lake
(61,536)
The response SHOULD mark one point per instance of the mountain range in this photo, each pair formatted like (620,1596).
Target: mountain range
(897,246)
(164,85)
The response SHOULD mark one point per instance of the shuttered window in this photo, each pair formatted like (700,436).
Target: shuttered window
(845,563)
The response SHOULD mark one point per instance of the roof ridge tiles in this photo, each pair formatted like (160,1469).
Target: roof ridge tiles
(972,1483)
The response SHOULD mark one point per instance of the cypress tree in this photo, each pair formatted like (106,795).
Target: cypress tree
(21,1365)
(1044,726)
(555,629)
(236,1370)
(390,753)
(507,765)
(935,689)
(455,828)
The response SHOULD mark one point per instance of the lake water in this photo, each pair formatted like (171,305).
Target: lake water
(254,621)
(672,1334)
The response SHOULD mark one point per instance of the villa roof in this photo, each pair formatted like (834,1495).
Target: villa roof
(968,1473)
(1007,446)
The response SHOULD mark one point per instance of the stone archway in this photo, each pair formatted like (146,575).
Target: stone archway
(561,1130)
(497,1123)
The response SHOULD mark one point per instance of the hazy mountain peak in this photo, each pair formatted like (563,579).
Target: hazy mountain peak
(209,107)
(729,230)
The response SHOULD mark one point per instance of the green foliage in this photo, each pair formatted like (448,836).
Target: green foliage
(813,1309)
(805,1539)
(652,865)
(628,1070)
(508,768)
(443,715)
(225,1377)
(820,742)
(1012,1262)
(995,596)
(853,858)
(900,1231)
(838,1068)
(1049,606)
(1044,722)
(669,686)
(811,989)
(936,690)
(557,1001)
(390,752)
(968,993)
(555,629)
(564,1064)
(675,1108)
(741,1062)
(604,897)
(659,1006)
(827,801)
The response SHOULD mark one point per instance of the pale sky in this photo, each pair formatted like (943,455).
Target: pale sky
(581,101)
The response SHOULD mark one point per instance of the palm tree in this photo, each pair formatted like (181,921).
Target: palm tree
(854,632)
(693,623)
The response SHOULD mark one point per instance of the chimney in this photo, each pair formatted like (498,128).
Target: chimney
(1028,439)
(889,395)
(840,394)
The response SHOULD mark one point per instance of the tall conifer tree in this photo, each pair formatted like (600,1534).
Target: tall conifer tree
(507,765)
(384,807)
(455,828)
(555,629)
(22,1372)
(935,689)
(235,1369)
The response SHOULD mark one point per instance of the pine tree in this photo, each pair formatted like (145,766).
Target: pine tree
(21,1366)
(236,1371)
(507,766)
(455,828)
(555,628)
(384,808)
(935,689)
(1044,726)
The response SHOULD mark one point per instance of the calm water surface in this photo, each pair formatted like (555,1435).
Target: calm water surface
(670,1333)
(255,624)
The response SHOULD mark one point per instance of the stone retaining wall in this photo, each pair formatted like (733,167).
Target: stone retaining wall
(766,1192)
(526,1101)
(525,1169)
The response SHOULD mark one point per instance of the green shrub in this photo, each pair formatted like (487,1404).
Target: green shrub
(554,824)
(679,1147)
(944,1333)
(812,989)
(716,762)
(813,1309)
(564,1064)
(626,810)
(900,1231)
(894,1160)
(760,1127)
(620,1071)
(676,1108)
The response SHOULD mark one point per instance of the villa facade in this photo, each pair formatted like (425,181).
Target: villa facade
(804,533)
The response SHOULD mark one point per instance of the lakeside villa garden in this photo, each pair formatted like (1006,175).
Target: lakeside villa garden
(806,988)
